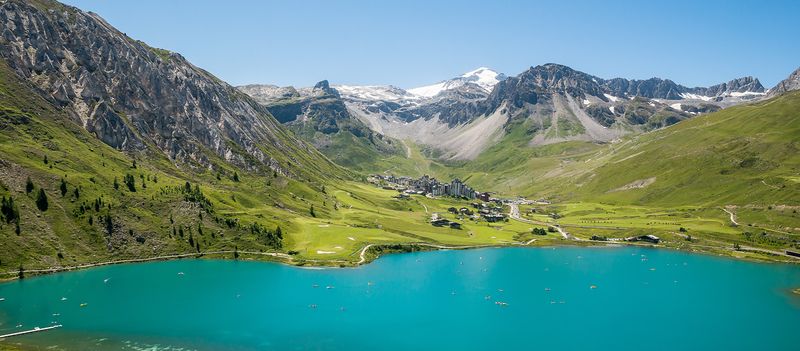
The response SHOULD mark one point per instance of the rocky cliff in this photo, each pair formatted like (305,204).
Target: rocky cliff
(136,98)
(791,83)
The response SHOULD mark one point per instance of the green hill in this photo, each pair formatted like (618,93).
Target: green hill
(741,155)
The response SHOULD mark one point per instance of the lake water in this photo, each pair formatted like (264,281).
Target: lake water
(448,300)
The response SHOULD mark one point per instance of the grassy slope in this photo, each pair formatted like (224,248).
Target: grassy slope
(31,129)
(744,158)
(742,155)
(347,215)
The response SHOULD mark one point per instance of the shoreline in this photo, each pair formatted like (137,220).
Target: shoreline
(368,254)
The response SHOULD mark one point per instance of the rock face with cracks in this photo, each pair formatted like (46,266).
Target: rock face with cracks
(134,97)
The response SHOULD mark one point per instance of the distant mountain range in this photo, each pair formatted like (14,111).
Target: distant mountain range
(464,115)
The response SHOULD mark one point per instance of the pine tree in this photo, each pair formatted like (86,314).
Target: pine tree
(235,176)
(278,232)
(311,211)
(28,185)
(9,210)
(45,159)
(63,187)
(109,225)
(116,184)
(17,229)
(41,200)
(77,193)
(130,182)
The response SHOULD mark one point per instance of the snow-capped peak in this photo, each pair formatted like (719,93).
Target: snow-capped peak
(483,77)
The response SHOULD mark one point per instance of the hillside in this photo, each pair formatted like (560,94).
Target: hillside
(112,149)
(114,205)
(320,117)
(738,156)
(135,97)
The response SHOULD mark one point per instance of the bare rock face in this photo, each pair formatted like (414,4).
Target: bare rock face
(133,96)
(789,84)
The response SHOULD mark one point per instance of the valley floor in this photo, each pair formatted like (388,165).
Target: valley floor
(367,222)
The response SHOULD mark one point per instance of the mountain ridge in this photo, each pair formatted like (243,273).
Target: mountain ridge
(164,102)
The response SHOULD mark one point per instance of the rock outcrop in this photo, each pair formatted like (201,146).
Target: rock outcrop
(135,97)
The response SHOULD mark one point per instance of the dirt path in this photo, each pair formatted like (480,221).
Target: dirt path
(362,255)
(513,212)
(733,216)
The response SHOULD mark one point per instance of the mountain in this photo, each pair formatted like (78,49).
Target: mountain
(111,149)
(791,83)
(745,155)
(319,116)
(482,78)
(554,103)
(135,98)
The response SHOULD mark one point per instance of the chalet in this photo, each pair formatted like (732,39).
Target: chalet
(441,222)
(494,217)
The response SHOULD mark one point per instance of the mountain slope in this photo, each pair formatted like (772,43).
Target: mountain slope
(743,155)
(791,83)
(482,79)
(111,149)
(319,116)
(104,204)
(553,102)
(134,97)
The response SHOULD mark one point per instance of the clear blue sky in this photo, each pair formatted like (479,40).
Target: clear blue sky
(411,43)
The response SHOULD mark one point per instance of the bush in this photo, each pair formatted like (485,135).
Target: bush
(29,186)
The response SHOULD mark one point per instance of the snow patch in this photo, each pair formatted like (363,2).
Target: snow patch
(696,97)
(611,108)
(483,77)
(611,97)
(429,90)
(746,93)
(676,106)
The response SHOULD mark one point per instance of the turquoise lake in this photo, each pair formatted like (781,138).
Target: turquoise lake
(447,300)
